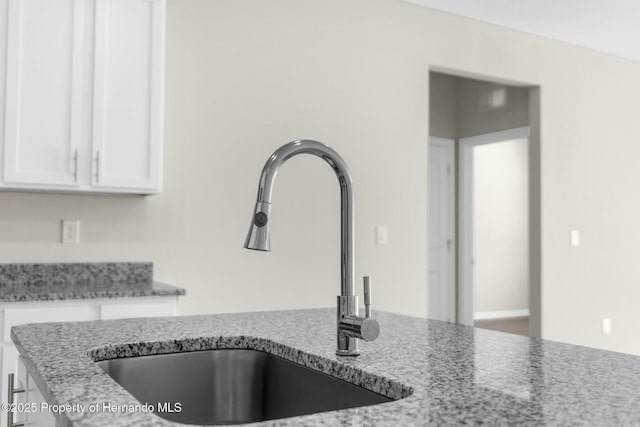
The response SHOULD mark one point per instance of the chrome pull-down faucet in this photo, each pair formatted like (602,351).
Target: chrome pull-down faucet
(351,327)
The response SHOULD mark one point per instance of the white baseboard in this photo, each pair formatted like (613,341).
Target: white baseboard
(502,314)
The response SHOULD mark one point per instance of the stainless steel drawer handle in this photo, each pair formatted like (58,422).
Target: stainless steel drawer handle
(11,392)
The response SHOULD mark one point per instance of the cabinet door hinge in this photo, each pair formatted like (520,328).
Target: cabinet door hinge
(98,167)
(75,165)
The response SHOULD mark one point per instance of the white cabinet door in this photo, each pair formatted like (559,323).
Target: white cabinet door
(44,81)
(32,395)
(159,307)
(128,95)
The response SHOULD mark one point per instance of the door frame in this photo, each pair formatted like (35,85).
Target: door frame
(465,215)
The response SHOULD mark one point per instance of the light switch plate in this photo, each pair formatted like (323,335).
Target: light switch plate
(382,235)
(575,238)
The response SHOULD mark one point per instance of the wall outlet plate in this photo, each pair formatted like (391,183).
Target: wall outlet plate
(70,231)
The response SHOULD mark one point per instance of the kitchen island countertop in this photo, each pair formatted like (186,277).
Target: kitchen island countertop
(442,374)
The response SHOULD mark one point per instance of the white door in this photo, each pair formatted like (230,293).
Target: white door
(442,280)
(44,86)
(128,91)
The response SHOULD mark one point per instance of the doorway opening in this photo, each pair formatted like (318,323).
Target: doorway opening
(484,204)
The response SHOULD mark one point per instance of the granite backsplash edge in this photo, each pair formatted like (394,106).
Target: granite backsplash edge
(70,273)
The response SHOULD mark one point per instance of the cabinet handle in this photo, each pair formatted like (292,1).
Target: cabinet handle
(75,165)
(98,167)
(11,392)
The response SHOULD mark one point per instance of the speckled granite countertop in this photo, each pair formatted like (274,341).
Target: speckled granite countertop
(63,281)
(450,374)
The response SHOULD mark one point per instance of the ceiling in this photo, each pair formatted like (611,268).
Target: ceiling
(611,26)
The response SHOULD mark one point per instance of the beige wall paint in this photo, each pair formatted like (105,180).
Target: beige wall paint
(244,76)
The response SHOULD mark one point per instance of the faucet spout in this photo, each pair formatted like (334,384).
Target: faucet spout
(258,236)
(351,327)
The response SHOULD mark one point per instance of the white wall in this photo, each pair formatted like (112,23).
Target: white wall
(501,226)
(244,76)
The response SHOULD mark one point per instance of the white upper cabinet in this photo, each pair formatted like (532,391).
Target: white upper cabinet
(82,95)
(127,104)
(44,84)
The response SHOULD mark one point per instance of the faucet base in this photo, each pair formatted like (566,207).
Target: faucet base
(355,352)
(347,309)
(352,327)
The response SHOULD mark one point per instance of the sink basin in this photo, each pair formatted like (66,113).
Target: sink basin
(233,386)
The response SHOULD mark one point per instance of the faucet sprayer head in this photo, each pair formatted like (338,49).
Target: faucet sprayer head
(258,236)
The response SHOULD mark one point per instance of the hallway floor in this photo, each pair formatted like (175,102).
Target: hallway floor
(512,325)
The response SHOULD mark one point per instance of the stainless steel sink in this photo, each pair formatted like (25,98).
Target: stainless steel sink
(233,386)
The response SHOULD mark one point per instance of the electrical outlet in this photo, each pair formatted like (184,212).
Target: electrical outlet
(70,231)
(606,326)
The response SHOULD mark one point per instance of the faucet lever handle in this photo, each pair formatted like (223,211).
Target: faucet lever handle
(367,296)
